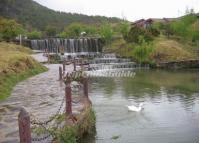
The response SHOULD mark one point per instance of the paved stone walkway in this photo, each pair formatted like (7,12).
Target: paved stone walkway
(41,96)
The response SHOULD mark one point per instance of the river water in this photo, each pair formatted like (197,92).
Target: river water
(170,114)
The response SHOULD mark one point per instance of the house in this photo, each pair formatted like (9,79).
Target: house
(142,23)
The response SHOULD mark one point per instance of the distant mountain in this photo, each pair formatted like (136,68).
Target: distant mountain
(33,15)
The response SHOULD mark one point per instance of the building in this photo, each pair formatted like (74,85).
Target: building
(142,23)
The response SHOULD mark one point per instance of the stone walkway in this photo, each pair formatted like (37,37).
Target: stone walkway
(41,96)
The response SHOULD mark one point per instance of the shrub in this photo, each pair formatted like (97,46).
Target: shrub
(34,35)
(195,36)
(124,28)
(68,135)
(106,32)
(154,31)
(64,35)
(73,30)
(136,32)
(183,27)
(142,52)
(9,29)
(50,31)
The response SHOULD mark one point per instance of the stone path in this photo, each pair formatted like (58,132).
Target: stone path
(41,96)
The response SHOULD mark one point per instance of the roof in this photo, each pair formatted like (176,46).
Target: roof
(138,21)
(142,21)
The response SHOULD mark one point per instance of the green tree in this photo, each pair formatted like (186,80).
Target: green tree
(90,30)
(64,35)
(73,30)
(143,51)
(50,31)
(9,29)
(124,28)
(106,32)
(34,35)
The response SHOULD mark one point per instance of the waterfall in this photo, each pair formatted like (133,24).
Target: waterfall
(81,46)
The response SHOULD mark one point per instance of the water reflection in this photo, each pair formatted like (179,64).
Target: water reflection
(171,102)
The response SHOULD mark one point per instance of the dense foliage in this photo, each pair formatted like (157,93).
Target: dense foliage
(33,15)
(9,29)
(34,34)
(183,27)
(136,32)
(106,32)
(143,51)
(75,30)
(124,28)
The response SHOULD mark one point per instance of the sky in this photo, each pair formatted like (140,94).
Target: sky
(130,9)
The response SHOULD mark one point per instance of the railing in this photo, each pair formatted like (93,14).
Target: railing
(28,122)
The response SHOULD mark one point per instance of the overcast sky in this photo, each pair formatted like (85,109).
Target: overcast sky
(131,9)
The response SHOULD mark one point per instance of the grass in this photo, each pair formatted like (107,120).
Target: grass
(15,66)
(170,50)
(165,50)
(73,133)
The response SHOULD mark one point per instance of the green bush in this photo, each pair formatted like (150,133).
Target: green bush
(195,36)
(154,31)
(64,35)
(183,27)
(136,32)
(68,135)
(142,52)
(9,29)
(73,30)
(106,32)
(124,28)
(34,35)
(50,31)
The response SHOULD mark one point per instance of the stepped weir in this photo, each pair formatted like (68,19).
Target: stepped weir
(72,47)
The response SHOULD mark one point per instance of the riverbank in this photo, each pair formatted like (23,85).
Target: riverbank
(74,132)
(164,50)
(16,64)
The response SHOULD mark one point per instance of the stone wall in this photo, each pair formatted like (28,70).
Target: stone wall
(183,64)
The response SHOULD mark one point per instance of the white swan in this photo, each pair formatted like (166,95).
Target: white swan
(134,108)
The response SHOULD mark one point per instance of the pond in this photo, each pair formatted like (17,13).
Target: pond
(170,114)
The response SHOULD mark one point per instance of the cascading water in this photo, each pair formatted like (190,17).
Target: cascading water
(73,47)
(109,65)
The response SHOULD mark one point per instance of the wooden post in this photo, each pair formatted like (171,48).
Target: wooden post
(24,126)
(60,73)
(20,39)
(81,64)
(68,96)
(74,63)
(64,65)
(85,87)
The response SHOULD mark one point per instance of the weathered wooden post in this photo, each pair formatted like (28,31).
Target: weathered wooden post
(81,64)
(68,96)
(85,87)
(24,126)
(74,63)
(60,73)
(64,65)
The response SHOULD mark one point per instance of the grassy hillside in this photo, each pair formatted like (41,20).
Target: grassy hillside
(15,65)
(34,15)
(164,50)
(161,42)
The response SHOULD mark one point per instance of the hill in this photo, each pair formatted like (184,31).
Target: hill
(15,65)
(33,15)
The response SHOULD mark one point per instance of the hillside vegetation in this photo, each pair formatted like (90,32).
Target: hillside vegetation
(15,65)
(161,42)
(33,15)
